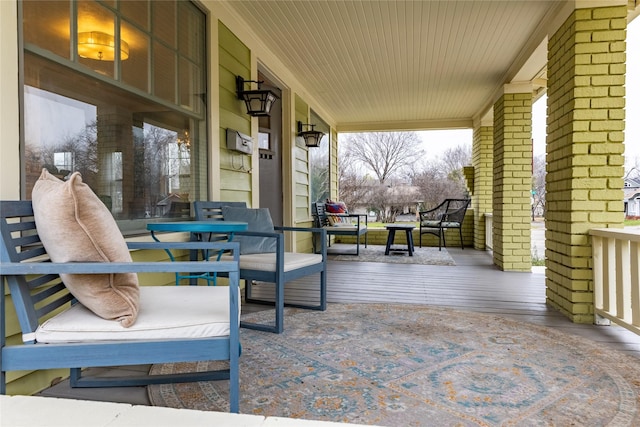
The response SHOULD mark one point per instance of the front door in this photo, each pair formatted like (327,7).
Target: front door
(270,148)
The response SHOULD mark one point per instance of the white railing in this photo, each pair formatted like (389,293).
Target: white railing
(616,276)
(488,231)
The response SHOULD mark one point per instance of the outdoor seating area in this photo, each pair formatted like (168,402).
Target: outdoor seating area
(475,287)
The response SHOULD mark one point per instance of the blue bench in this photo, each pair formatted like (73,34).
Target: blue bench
(356,225)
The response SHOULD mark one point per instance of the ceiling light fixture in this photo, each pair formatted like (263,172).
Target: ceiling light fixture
(259,102)
(100,46)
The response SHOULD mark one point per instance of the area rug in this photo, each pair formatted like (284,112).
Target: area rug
(411,365)
(375,253)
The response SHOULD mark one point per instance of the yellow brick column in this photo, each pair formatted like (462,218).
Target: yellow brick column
(482,162)
(585,124)
(512,157)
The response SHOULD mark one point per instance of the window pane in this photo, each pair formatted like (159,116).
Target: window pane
(164,72)
(136,12)
(47,25)
(96,37)
(135,70)
(319,163)
(164,21)
(191,86)
(192,41)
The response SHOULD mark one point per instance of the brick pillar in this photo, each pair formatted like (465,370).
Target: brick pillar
(512,156)
(585,124)
(482,161)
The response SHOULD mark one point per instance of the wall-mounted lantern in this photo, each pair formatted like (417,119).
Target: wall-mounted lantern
(311,137)
(259,102)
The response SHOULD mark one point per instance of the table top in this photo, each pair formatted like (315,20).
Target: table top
(198,226)
(400,226)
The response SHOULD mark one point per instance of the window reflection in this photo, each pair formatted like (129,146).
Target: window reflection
(134,128)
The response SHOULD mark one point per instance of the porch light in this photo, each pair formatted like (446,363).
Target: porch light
(311,137)
(259,102)
(100,46)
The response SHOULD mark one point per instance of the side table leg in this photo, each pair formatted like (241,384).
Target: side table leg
(410,247)
(390,238)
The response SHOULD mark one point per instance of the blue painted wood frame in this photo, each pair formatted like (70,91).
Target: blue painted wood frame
(212,211)
(30,281)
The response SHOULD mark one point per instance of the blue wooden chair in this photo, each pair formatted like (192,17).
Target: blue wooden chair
(267,260)
(177,324)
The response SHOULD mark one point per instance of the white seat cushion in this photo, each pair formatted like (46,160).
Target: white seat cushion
(166,312)
(267,261)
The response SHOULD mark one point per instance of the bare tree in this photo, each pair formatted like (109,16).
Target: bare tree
(442,178)
(384,153)
(538,187)
(388,155)
(354,184)
(454,160)
(435,185)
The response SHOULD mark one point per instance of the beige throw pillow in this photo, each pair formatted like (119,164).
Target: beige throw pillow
(75,226)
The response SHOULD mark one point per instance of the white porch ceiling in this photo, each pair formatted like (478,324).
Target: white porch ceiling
(375,65)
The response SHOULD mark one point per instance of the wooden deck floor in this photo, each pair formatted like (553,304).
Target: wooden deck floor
(473,284)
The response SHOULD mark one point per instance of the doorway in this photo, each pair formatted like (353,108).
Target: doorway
(270,152)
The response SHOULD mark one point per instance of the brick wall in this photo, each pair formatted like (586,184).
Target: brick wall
(482,160)
(512,156)
(585,124)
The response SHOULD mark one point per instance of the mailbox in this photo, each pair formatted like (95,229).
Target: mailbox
(239,141)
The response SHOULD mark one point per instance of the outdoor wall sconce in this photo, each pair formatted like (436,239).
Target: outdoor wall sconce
(100,46)
(311,137)
(259,102)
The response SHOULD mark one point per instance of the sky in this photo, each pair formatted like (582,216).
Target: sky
(437,141)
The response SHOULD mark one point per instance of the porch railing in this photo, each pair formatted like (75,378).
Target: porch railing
(616,277)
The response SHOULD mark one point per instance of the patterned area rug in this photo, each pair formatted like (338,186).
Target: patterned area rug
(396,365)
(375,253)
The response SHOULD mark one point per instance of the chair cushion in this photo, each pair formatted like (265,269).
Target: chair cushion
(338,220)
(166,312)
(451,224)
(75,226)
(267,262)
(257,220)
(431,223)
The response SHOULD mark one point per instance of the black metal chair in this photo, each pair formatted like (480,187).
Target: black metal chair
(448,214)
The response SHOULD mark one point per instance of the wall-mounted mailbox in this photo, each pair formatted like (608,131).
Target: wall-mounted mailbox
(239,141)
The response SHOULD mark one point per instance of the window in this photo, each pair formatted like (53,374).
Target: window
(319,163)
(118,94)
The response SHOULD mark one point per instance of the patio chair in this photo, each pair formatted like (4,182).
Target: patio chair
(264,259)
(341,224)
(171,324)
(448,214)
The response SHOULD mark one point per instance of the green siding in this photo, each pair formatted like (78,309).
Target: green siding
(234,59)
